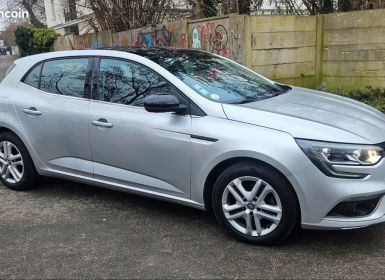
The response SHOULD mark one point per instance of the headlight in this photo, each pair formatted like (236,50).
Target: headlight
(326,156)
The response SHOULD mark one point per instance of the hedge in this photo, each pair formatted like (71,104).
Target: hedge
(31,40)
(374,97)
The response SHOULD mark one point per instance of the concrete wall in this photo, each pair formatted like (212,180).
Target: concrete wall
(335,51)
(284,48)
(354,50)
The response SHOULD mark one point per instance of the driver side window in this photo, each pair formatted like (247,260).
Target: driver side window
(128,83)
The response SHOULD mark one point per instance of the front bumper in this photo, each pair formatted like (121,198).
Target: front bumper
(318,194)
(377,217)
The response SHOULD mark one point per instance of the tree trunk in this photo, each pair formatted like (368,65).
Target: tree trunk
(225,7)
(345,6)
(244,7)
(198,9)
(327,7)
(28,7)
(209,8)
(32,18)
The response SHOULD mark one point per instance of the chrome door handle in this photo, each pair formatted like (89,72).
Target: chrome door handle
(102,122)
(31,111)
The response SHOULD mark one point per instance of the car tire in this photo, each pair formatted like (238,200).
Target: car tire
(264,208)
(17,170)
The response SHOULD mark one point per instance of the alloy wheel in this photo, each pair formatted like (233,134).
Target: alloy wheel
(11,163)
(251,206)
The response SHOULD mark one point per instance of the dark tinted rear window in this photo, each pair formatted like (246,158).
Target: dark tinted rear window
(32,79)
(64,76)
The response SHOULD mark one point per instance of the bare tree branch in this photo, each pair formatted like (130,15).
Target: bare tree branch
(35,8)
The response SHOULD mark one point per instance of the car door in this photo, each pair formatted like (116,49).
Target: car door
(133,147)
(52,104)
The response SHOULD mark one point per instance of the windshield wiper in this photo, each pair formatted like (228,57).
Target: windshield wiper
(246,100)
(284,88)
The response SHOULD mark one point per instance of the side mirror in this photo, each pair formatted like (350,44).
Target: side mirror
(164,103)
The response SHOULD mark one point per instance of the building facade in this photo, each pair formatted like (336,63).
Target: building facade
(68,16)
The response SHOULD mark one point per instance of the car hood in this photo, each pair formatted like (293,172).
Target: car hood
(311,114)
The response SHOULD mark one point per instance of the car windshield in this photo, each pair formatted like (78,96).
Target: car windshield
(218,79)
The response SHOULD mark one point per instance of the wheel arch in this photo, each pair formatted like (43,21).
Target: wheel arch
(221,166)
(6,129)
(35,159)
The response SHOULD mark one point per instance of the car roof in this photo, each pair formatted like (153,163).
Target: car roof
(153,50)
(157,53)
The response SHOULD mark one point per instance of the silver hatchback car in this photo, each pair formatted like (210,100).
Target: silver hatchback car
(197,129)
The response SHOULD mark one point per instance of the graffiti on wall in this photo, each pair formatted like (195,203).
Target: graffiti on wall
(161,36)
(122,38)
(182,43)
(196,42)
(91,40)
(104,39)
(211,37)
(235,44)
(219,39)
(223,36)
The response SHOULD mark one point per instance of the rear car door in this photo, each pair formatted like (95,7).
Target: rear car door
(52,104)
(133,147)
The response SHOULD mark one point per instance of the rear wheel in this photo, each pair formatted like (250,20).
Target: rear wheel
(17,170)
(255,203)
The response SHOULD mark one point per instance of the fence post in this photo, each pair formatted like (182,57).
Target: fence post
(319,50)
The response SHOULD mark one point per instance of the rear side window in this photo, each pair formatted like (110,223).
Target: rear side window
(33,78)
(64,76)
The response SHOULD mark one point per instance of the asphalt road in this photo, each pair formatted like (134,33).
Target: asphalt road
(63,229)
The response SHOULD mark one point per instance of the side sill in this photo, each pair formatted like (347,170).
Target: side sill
(122,188)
